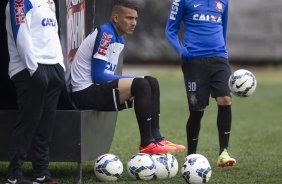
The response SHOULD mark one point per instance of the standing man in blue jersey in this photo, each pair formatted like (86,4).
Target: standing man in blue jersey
(95,86)
(37,70)
(205,65)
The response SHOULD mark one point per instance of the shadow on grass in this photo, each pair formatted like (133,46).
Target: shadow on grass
(63,172)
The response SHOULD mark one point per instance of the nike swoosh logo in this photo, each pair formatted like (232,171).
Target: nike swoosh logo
(238,86)
(98,160)
(41,179)
(149,119)
(226,133)
(196,5)
(13,181)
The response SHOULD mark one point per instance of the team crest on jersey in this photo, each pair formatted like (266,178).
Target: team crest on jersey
(19,11)
(74,2)
(51,5)
(104,44)
(193,98)
(219,6)
(50,2)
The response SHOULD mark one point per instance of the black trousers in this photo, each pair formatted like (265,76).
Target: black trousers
(37,100)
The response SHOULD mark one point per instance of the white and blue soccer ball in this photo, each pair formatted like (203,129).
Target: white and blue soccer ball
(166,166)
(196,169)
(108,167)
(242,83)
(141,167)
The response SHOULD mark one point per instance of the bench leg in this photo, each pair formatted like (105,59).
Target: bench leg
(79,172)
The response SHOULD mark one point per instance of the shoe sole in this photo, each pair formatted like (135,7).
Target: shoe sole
(48,182)
(179,149)
(175,148)
(158,153)
(226,164)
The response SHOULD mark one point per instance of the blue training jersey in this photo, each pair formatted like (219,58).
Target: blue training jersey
(96,59)
(205,28)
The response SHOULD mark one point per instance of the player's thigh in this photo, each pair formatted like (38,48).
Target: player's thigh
(103,97)
(220,73)
(196,80)
(124,87)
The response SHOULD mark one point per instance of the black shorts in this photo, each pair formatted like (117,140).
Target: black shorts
(204,77)
(104,97)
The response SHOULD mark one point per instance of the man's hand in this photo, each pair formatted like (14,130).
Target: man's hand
(184,54)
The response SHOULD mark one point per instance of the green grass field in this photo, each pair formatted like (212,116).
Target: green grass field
(255,139)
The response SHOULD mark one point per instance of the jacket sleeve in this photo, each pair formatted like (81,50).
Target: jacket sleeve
(225,22)
(98,74)
(20,21)
(173,26)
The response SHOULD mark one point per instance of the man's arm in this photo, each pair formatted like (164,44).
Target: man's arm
(98,74)
(20,21)
(173,26)
(225,22)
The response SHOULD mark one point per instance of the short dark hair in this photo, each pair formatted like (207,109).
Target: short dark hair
(124,3)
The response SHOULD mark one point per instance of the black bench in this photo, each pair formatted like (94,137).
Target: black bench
(78,135)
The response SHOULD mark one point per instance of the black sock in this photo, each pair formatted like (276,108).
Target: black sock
(157,134)
(155,91)
(224,117)
(192,130)
(144,125)
(141,91)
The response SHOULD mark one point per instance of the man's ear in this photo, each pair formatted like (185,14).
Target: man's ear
(115,18)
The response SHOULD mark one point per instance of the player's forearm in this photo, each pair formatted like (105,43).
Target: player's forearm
(104,78)
(173,27)
(23,37)
(99,75)
(174,41)
(225,23)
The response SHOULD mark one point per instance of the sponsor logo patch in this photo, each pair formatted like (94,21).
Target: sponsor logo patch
(207,18)
(104,44)
(49,22)
(19,11)
(111,67)
(174,9)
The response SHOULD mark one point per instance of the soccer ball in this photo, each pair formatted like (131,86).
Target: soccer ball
(166,165)
(242,83)
(196,169)
(108,167)
(141,167)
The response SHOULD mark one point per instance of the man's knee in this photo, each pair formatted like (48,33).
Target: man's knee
(140,85)
(152,80)
(225,100)
(154,84)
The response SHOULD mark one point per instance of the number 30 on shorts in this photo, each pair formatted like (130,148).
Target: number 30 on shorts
(192,86)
